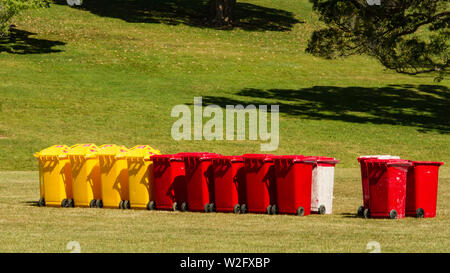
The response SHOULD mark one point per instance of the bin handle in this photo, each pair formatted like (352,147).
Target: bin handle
(36,155)
(89,156)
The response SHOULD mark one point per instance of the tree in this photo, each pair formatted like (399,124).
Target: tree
(10,8)
(408,36)
(222,11)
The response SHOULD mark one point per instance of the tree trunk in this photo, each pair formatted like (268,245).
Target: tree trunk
(222,11)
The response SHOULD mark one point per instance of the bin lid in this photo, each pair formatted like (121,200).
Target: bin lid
(435,163)
(265,157)
(365,157)
(60,151)
(390,162)
(140,151)
(111,150)
(88,150)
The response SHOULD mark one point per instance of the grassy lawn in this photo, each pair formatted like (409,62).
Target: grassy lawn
(28,228)
(112,71)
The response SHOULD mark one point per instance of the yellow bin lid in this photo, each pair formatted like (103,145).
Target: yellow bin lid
(112,150)
(141,151)
(60,151)
(87,150)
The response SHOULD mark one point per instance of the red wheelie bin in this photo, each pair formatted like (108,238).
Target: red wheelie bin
(229,183)
(169,183)
(365,179)
(260,182)
(293,176)
(421,189)
(387,187)
(199,181)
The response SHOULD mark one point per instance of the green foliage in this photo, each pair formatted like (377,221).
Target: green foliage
(408,36)
(10,8)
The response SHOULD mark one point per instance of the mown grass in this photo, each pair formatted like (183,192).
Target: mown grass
(92,75)
(28,228)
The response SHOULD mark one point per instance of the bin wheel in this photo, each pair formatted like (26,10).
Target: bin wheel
(300,211)
(184,206)
(360,211)
(237,209)
(366,213)
(65,203)
(207,207)
(274,209)
(71,203)
(393,214)
(175,206)
(99,203)
(126,204)
(269,209)
(322,209)
(212,207)
(41,202)
(92,203)
(244,208)
(121,204)
(151,205)
(420,213)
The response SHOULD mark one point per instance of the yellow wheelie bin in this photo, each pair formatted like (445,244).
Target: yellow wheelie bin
(114,177)
(85,175)
(140,175)
(55,180)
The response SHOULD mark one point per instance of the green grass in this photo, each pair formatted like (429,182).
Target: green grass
(111,73)
(28,228)
(91,76)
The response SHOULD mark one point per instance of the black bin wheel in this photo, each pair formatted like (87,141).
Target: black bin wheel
(237,209)
(41,202)
(65,203)
(184,207)
(212,207)
(269,209)
(99,203)
(126,204)
(366,213)
(151,205)
(360,212)
(92,204)
(244,208)
(420,213)
(322,209)
(274,209)
(300,211)
(206,208)
(175,206)
(71,203)
(393,214)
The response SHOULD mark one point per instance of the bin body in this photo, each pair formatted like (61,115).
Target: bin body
(199,180)
(169,181)
(293,176)
(229,183)
(323,185)
(55,178)
(387,187)
(113,175)
(140,176)
(85,167)
(364,175)
(260,181)
(422,188)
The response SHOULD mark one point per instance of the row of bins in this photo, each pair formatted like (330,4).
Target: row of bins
(86,175)
(254,183)
(394,188)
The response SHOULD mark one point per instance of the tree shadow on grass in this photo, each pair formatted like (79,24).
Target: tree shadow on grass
(423,106)
(20,42)
(189,12)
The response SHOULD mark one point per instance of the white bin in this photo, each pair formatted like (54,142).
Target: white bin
(322,186)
